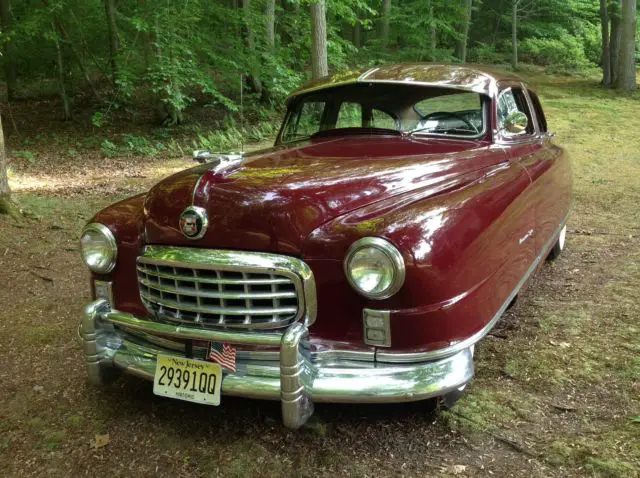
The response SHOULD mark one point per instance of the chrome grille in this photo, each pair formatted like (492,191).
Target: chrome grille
(212,296)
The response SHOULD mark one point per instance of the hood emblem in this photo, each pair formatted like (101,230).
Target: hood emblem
(194,222)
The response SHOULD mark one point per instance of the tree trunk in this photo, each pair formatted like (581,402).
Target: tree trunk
(514,35)
(626,77)
(462,46)
(383,27)
(114,42)
(253,77)
(270,14)
(147,40)
(76,55)
(433,37)
(614,38)
(606,61)
(6,19)
(319,64)
(357,34)
(5,192)
(61,73)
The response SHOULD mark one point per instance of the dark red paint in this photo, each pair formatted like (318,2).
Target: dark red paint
(458,211)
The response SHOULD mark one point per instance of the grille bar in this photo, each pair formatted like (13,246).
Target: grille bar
(235,293)
(239,311)
(207,280)
(217,295)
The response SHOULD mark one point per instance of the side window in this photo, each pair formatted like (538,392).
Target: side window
(305,121)
(349,115)
(537,107)
(380,119)
(511,101)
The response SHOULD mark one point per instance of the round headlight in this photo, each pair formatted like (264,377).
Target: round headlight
(99,248)
(374,268)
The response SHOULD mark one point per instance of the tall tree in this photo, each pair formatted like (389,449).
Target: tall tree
(466,24)
(433,34)
(6,19)
(114,41)
(385,20)
(66,109)
(253,78)
(520,10)
(6,207)
(614,38)
(319,63)
(606,52)
(270,19)
(514,34)
(626,73)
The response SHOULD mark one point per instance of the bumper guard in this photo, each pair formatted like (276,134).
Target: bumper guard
(298,380)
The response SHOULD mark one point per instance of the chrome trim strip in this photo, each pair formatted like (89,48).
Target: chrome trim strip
(191,333)
(404,357)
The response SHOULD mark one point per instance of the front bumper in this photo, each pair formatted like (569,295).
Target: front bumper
(298,379)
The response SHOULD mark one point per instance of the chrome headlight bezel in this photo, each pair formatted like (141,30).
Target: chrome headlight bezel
(391,253)
(111,258)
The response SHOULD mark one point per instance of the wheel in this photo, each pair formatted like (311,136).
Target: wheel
(559,245)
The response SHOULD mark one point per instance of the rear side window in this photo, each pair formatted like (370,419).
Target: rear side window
(537,107)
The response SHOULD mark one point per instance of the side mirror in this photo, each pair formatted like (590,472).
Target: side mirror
(516,123)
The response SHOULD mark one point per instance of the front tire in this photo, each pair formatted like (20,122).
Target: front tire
(559,245)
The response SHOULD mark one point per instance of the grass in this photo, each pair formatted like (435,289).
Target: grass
(557,391)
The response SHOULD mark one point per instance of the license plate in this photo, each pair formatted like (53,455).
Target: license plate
(188,379)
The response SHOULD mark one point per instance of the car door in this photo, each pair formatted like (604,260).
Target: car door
(551,175)
(521,151)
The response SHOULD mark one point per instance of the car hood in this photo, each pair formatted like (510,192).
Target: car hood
(272,200)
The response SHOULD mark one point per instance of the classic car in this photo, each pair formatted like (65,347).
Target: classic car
(360,259)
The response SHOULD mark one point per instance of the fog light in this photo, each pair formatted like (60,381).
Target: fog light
(377,327)
(103,290)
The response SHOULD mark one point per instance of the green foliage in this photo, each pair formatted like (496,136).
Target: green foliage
(25,154)
(566,52)
(178,53)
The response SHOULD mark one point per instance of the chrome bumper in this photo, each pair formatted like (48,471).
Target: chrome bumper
(297,380)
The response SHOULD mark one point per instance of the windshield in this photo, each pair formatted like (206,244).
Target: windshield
(391,108)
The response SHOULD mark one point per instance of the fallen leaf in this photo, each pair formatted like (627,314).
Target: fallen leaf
(563,345)
(101,441)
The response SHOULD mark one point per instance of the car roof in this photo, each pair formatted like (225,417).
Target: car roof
(462,77)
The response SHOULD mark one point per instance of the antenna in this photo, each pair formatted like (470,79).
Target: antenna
(241,115)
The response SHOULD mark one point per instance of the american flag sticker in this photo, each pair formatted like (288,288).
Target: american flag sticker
(224,354)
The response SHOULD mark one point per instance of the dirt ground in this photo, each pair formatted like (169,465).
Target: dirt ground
(557,390)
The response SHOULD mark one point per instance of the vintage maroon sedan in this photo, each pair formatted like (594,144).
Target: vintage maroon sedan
(360,259)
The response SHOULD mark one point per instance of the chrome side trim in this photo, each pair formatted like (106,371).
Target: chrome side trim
(400,357)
